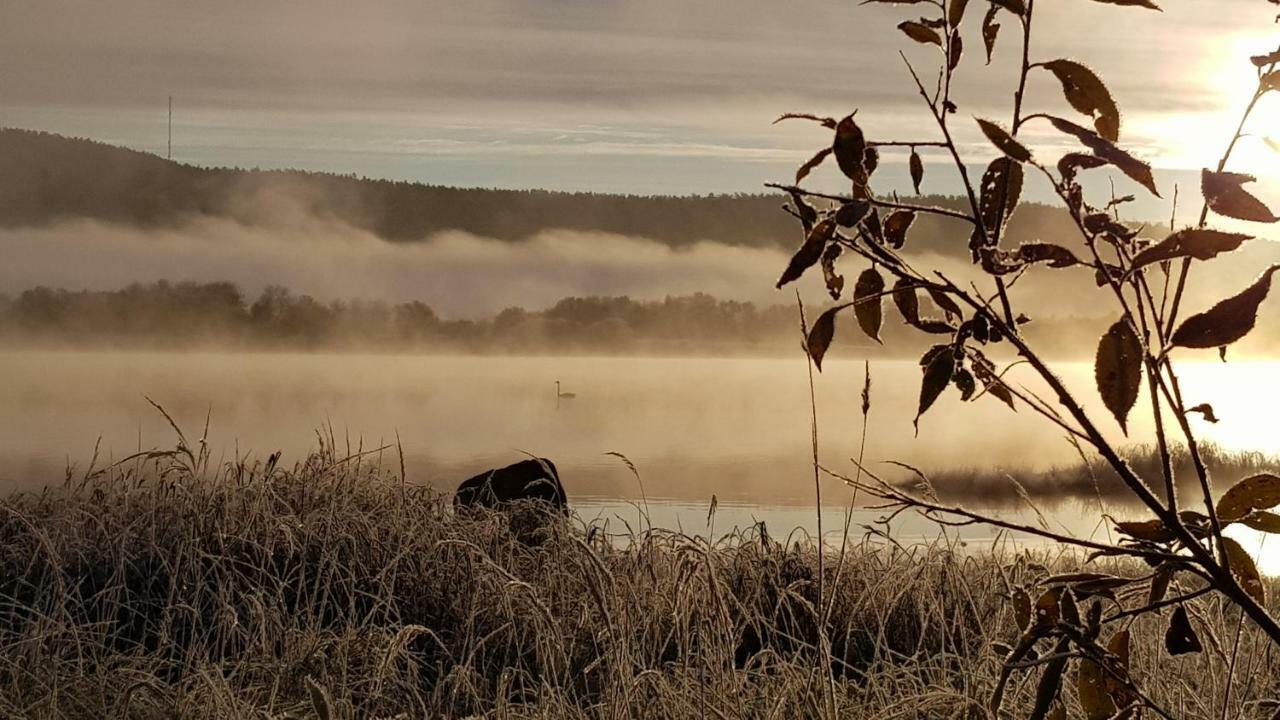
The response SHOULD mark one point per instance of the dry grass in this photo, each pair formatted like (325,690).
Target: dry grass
(165,587)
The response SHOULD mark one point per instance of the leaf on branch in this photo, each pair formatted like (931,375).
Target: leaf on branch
(822,333)
(1017,7)
(1022,608)
(1086,92)
(1160,582)
(1138,171)
(825,121)
(1229,320)
(1258,492)
(1205,410)
(1071,163)
(944,301)
(965,383)
(1263,521)
(921,33)
(1001,187)
(1050,684)
(812,163)
(990,31)
(1131,3)
(1225,194)
(957,50)
(1149,530)
(1118,371)
(1003,141)
(1245,571)
(1092,690)
(850,148)
(1198,243)
(938,365)
(896,226)
(904,296)
(955,12)
(1265,60)
(1103,224)
(991,382)
(835,281)
(809,253)
(868,301)
(852,213)
(1180,638)
(917,170)
(1003,262)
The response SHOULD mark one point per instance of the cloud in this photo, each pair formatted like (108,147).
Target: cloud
(564,93)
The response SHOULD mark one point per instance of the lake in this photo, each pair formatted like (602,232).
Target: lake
(736,428)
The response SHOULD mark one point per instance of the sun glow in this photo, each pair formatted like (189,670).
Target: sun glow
(1195,137)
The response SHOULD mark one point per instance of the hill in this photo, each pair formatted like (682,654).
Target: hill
(45,178)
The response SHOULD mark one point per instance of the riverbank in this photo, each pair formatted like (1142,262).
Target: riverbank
(170,586)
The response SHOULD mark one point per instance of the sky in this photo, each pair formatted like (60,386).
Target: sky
(661,96)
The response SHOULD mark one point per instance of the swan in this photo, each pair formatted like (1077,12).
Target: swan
(563,395)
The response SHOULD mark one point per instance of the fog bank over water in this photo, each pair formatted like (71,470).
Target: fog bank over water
(457,274)
(461,275)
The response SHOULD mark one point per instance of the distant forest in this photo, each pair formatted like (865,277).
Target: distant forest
(185,315)
(45,178)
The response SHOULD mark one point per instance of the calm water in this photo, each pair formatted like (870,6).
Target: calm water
(737,429)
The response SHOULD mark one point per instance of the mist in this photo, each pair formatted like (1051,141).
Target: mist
(457,274)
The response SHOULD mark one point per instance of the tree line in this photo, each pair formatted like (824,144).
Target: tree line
(190,315)
(46,178)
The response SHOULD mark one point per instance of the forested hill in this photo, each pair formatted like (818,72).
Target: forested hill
(45,178)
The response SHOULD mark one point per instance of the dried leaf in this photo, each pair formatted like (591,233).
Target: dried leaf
(1160,583)
(812,163)
(867,302)
(1017,7)
(1118,370)
(904,296)
(1051,680)
(826,121)
(822,333)
(835,281)
(896,226)
(1091,688)
(917,170)
(852,213)
(965,383)
(1001,187)
(1087,94)
(1258,492)
(1198,243)
(1149,530)
(955,12)
(1205,410)
(920,33)
(1245,571)
(945,302)
(1003,141)
(1071,163)
(1138,171)
(991,382)
(850,147)
(957,50)
(1225,194)
(939,365)
(1180,638)
(1022,608)
(990,31)
(1133,3)
(1263,521)
(1229,320)
(809,253)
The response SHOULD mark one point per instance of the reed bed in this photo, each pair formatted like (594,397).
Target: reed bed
(168,586)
